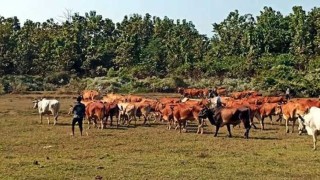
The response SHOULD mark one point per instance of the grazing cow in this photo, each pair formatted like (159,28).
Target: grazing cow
(47,106)
(90,95)
(143,109)
(165,112)
(310,122)
(112,109)
(227,116)
(127,112)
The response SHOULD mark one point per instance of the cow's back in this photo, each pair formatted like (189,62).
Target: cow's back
(48,105)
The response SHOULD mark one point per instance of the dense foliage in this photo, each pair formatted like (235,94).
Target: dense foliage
(269,52)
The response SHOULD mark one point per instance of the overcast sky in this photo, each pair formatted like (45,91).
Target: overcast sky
(203,13)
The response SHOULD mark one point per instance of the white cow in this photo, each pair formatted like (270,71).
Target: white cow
(310,122)
(47,106)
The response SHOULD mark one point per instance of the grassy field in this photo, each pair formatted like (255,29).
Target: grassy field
(29,150)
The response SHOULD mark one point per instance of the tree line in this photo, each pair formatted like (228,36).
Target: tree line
(270,50)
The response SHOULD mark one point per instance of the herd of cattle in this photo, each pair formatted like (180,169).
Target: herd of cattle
(196,105)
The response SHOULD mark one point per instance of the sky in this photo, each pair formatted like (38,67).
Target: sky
(203,13)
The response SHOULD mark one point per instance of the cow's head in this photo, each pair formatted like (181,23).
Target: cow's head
(278,109)
(35,103)
(207,113)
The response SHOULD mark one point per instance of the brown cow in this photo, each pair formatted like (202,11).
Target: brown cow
(274,99)
(166,113)
(114,98)
(96,111)
(143,109)
(133,98)
(90,95)
(192,92)
(183,112)
(297,106)
(227,116)
(267,110)
(112,109)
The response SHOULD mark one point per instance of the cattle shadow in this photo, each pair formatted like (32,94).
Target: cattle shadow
(63,124)
(250,137)
(265,138)
(116,128)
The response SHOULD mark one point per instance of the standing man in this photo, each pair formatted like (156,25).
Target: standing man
(288,94)
(78,111)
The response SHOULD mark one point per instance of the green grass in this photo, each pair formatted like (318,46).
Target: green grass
(29,150)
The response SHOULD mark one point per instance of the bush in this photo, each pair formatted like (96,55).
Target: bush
(58,78)
(2,89)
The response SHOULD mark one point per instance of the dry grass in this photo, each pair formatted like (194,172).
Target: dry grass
(29,150)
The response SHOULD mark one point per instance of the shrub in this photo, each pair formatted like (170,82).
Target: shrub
(58,78)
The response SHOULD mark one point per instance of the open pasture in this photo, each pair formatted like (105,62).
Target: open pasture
(29,150)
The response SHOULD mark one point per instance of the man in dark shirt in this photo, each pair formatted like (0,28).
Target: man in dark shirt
(78,114)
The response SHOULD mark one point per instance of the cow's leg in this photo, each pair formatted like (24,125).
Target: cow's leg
(293,123)
(102,123)
(247,126)
(48,118)
(251,121)
(55,118)
(40,118)
(135,120)
(185,125)
(199,125)
(88,122)
(270,116)
(145,119)
(262,123)
(229,130)
(180,124)
(287,125)
(217,129)
(169,124)
(314,135)
(279,119)
(110,116)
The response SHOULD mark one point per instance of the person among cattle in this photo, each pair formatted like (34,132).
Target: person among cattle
(212,93)
(219,103)
(288,94)
(218,99)
(78,111)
